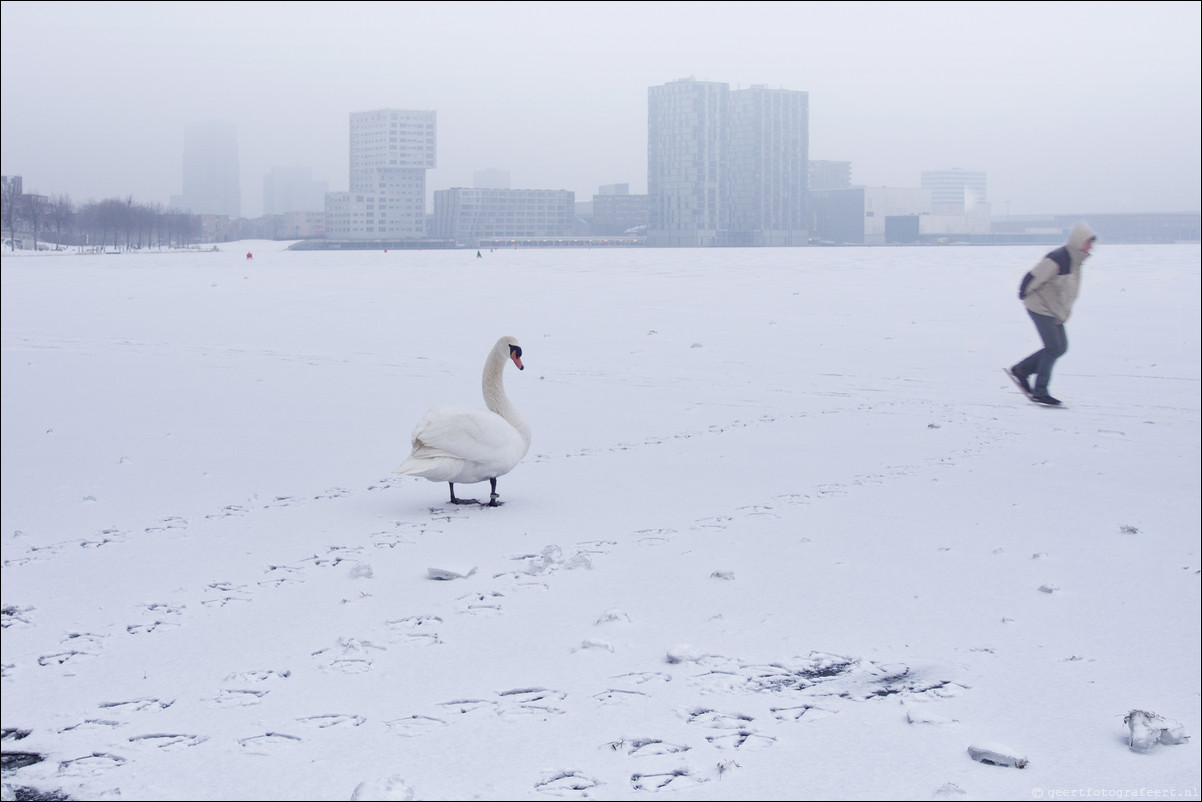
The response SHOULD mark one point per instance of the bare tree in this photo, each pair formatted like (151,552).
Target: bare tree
(85,223)
(144,215)
(10,210)
(62,213)
(110,216)
(183,228)
(156,216)
(36,211)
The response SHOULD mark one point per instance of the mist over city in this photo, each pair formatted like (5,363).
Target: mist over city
(1066,110)
(510,401)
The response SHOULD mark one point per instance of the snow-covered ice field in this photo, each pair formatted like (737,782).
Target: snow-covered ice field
(785,530)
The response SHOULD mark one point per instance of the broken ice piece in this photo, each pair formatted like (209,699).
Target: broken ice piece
(683,653)
(389,789)
(455,572)
(997,755)
(594,643)
(1148,729)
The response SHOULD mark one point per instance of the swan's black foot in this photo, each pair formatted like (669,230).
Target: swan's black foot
(464,501)
(492,502)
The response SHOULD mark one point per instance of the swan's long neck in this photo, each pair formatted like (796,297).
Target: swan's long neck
(495,397)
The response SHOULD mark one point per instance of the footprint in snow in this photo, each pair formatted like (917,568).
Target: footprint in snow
(335,555)
(228,511)
(612,696)
(530,701)
(464,706)
(417,630)
(143,629)
(268,742)
(567,783)
(238,697)
(642,677)
(666,781)
(332,720)
(800,713)
(706,717)
(643,747)
(713,522)
(171,522)
(744,740)
(148,703)
(487,604)
(92,724)
(90,765)
(411,726)
(62,657)
(282,575)
(169,741)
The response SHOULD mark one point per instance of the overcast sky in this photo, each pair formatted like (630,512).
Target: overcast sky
(1068,107)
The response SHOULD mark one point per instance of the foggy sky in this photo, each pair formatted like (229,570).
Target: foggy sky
(1068,107)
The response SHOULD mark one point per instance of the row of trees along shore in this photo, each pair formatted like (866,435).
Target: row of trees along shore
(113,223)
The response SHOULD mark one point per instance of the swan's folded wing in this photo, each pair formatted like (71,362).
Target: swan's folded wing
(465,433)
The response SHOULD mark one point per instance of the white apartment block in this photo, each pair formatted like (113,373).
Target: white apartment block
(955,191)
(390,152)
(959,202)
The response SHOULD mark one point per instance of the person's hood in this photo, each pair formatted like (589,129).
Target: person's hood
(1081,234)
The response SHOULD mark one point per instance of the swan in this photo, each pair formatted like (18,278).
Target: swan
(465,445)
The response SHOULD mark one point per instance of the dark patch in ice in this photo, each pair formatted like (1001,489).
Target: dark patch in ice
(18,760)
(21,793)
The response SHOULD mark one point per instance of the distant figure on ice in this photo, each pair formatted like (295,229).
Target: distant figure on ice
(1048,290)
(250,255)
(478,256)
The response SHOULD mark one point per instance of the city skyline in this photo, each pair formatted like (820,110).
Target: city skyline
(1064,112)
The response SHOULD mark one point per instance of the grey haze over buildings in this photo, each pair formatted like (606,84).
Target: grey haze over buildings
(1067,107)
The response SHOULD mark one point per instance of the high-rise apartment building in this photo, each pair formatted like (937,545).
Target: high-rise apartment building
(685,139)
(768,167)
(390,152)
(211,177)
(726,167)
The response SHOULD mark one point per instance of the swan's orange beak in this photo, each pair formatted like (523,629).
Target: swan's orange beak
(516,356)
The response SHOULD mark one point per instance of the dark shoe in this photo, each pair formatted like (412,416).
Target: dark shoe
(1021,378)
(1044,398)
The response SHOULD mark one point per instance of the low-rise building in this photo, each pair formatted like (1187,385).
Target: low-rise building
(470,215)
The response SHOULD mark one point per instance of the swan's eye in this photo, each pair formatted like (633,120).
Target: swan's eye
(515,350)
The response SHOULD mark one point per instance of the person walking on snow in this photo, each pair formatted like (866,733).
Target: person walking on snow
(1048,290)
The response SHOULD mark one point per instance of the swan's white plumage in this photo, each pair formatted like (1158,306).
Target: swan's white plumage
(464,445)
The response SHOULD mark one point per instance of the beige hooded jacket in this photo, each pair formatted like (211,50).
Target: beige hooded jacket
(1051,287)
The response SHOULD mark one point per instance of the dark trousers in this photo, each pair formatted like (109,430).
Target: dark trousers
(1055,344)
